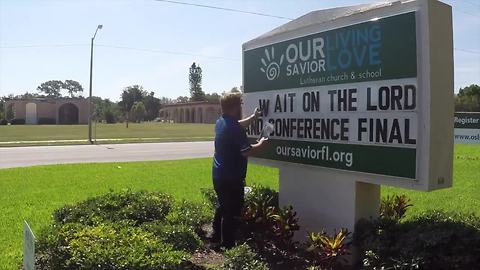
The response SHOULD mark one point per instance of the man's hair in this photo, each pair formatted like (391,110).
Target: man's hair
(229,101)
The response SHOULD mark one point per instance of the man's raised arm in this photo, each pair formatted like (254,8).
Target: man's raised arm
(245,122)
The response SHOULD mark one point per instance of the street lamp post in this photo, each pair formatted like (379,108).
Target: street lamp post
(90,91)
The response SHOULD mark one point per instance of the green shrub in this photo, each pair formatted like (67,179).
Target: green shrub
(243,258)
(191,214)
(3,122)
(266,224)
(260,207)
(138,207)
(374,262)
(262,218)
(284,225)
(328,251)
(210,195)
(51,246)
(262,192)
(17,121)
(46,121)
(394,207)
(105,247)
(256,192)
(125,230)
(181,237)
(109,117)
(433,240)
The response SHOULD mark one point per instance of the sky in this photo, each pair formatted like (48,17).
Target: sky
(153,43)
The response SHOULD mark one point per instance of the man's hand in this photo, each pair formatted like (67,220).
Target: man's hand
(257,113)
(262,141)
(256,147)
(247,121)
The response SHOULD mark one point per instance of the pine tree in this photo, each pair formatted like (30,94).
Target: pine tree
(195,79)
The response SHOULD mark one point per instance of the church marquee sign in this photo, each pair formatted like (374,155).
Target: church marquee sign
(353,95)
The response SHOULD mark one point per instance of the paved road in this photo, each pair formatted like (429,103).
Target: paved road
(43,155)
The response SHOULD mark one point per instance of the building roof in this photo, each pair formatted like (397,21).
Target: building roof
(45,99)
(314,18)
(191,103)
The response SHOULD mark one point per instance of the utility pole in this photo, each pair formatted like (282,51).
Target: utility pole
(90,91)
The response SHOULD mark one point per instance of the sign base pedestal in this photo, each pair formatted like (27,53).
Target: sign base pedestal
(326,199)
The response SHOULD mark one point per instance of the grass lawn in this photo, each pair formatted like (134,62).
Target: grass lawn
(33,193)
(465,194)
(148,131)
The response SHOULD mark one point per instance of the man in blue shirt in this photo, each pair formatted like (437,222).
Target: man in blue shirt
(230,166)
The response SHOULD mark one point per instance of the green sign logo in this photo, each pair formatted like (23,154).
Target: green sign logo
(370,51)
(270,67)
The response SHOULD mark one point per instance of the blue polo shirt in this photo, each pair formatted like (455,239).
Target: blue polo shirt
(230,141)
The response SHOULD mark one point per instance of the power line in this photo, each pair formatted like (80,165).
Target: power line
(43,46)
(118,47)
(225,9)
(464,12)
(454,4)
(153,50)
(270,15)
(473,3)
(467,51)
(166,52)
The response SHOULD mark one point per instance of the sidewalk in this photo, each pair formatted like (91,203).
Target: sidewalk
(113,140)
(11,157)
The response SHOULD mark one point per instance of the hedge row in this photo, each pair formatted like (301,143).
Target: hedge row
(125,230)
(16,121)
(20,121)
(150,230)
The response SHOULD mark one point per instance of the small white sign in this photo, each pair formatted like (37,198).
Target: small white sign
(467,136)
(467,127)
(28,248)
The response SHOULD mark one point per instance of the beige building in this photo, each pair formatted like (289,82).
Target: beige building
(62,111)
(191,112)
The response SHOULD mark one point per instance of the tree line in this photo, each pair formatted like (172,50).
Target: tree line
(136,103)
(139,104)
(468,99)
